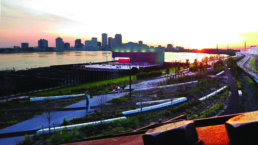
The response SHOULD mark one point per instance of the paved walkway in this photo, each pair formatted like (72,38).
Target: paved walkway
(233,99)
(38,121)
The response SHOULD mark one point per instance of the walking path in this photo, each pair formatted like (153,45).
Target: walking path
(38,121)
(233,98)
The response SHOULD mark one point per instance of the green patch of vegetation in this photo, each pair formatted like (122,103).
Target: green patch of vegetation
(238,83)
(161,96)
(65,122)
(171,70)
(12,122)
(212,110)
(234,68)
(87,85)
(198,90)
(253,64)
(144,75)
(66,136)
(249,80)
(118,100)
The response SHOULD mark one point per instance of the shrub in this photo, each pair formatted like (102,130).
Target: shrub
(12,122)
(144,75)
(65,122)
(161,96)
(118,100)
(27,139)
(212,110)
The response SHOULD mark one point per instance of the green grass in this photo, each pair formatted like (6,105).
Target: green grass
(171,70)
(249,80)
(87,85)
(253,65)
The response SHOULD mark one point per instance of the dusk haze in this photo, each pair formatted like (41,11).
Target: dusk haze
(128,72)
(192,24)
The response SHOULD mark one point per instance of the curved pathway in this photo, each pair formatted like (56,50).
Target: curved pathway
(233,98)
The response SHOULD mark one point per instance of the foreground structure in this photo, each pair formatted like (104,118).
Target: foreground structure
(231,129)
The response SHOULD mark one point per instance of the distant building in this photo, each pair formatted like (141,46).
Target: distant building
(104,40)
(24,45)
(67,46)
(139,53)
(59,43)
(92,44)
(170,47)
(78,43)
(99,44)
(42,44)
(110,43)
(16,47)
(118,40)
(251,50)
(140,42)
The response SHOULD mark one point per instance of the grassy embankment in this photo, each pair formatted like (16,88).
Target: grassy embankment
(253,64)
(93,84)
(87,85)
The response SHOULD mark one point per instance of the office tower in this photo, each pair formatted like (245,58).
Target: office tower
(24,45)
(42,44)
(140,42)
(59,43)
(67,46)
(78,43)
(104,40)
(118,40)
(94,41)
(99,44)
(109,42)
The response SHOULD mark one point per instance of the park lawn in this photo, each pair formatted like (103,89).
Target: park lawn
(87,85)
(253,65)
(171,70)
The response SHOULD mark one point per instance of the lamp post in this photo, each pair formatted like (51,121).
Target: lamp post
(130,94)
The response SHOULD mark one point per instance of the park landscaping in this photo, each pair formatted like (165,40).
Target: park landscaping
(193,108)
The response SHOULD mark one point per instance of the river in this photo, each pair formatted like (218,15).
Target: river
(21,61)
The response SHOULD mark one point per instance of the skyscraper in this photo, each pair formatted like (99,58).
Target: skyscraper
(67,46)
(59,43)
(78,43)
(24,45)
(118,40)
(109,42)
(104,40)
(42,44)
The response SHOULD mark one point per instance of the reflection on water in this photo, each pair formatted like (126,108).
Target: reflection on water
(181,57)
(21,61)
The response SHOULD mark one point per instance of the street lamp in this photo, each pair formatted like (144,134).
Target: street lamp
(130,94)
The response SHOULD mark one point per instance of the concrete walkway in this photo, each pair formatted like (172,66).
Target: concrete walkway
(38,121)
(233,98)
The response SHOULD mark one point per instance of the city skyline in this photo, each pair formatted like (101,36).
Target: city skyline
(198,24)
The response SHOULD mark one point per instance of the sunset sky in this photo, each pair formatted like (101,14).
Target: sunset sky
(189,23)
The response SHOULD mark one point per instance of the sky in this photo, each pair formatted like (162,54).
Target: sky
(188,23)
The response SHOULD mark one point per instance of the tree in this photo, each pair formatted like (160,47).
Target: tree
(101,100)
(49,107)
(187,63)
(167,71)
